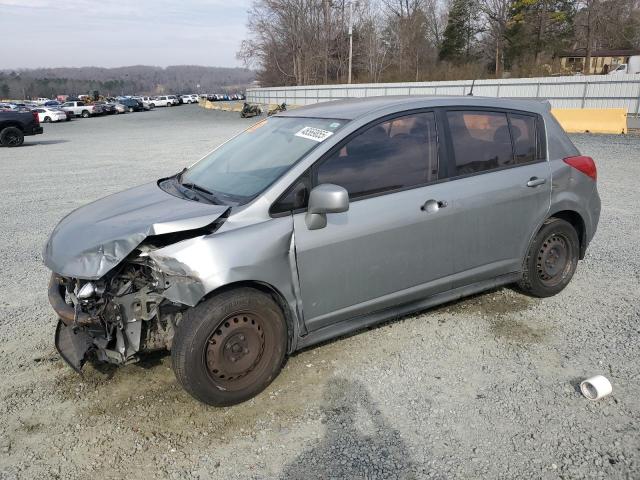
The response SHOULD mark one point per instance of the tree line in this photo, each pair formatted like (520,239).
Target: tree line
(142,80)
(300,42)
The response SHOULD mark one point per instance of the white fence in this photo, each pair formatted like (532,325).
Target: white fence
(607,91)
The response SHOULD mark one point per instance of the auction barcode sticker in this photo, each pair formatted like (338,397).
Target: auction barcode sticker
(312,133)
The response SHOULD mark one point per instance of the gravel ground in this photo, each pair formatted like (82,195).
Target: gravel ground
(481,388)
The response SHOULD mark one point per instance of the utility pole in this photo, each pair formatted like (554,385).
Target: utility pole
(350,38)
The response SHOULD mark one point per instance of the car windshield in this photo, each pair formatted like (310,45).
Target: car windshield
(249,163)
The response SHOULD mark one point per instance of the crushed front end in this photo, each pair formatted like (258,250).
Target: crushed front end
(115,318)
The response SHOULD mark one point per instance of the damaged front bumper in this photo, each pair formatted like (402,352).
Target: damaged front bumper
(114,325)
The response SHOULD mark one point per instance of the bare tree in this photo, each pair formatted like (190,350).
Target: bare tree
(497,16)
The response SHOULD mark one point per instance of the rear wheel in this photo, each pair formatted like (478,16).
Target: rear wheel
(11,137)
(551,260)
(229,348)
(85,114)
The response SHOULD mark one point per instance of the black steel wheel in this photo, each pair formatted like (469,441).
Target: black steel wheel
(551,260)
(229,348)
(11,137)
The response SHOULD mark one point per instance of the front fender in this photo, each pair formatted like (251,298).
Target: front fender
(261,252)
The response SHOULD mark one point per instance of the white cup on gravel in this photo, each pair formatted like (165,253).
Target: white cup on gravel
(596,387)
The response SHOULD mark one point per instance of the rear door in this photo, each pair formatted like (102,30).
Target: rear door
(386,249)
(500,189)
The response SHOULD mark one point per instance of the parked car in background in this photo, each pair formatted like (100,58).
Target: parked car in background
(46,115)
(130,104)
(52,103)
(107,107)
(15,125)
(82,109)
(42,100)
(174,99)
(188,99)
(163,101)
(119,108)
(8,106)
(145,102)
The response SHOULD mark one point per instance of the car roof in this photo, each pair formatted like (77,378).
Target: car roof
(351,109)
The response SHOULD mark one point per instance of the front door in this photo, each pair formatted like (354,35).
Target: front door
(392,246)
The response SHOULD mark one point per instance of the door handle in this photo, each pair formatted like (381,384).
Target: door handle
(432,206)
(535,181)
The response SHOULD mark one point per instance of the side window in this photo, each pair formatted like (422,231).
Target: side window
(523,133)
(399,153)
(80,104)
(481,141)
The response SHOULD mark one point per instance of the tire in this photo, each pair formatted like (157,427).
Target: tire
(551,260)
(152,106)
(229,348)
(85,114)
(11,137)
(47,120)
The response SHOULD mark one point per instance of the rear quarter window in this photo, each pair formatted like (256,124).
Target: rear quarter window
(523,133)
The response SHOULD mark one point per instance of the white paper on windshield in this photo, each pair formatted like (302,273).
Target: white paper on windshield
(315,134)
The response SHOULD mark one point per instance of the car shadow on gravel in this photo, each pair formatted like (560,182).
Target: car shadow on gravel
(358,442)
(43,142)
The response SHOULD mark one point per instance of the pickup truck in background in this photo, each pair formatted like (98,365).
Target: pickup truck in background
(633,66)
(81,109)
(15,125)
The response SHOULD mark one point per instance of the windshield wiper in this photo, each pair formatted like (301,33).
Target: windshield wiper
(193,186)
(201,191)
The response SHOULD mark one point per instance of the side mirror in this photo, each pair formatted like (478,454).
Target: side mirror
(323,199)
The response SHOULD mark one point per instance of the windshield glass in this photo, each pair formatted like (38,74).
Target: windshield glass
(247,164)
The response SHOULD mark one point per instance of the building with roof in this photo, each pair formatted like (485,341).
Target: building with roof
(602,61)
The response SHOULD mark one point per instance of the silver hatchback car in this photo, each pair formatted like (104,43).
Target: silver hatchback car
(317,222)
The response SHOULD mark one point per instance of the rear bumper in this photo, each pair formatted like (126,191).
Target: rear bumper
(34,131)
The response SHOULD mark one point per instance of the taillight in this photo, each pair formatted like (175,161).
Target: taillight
(35,117)
(585,164)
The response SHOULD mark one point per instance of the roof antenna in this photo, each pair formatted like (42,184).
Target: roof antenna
(470,94)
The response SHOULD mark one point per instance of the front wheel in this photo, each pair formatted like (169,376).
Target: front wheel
(229,348)
(47,120)
(551,260)
(11,137)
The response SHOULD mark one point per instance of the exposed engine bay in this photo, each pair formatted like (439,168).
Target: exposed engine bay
(115,318)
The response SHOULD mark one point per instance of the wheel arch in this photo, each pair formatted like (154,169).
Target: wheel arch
(275,294)
(10,123)
(576,220)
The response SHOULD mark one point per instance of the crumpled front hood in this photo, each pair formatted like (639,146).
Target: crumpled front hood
(93,239)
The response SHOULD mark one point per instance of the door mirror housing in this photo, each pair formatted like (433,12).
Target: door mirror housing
(323,199)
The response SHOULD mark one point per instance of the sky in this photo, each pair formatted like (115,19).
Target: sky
(114,33)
